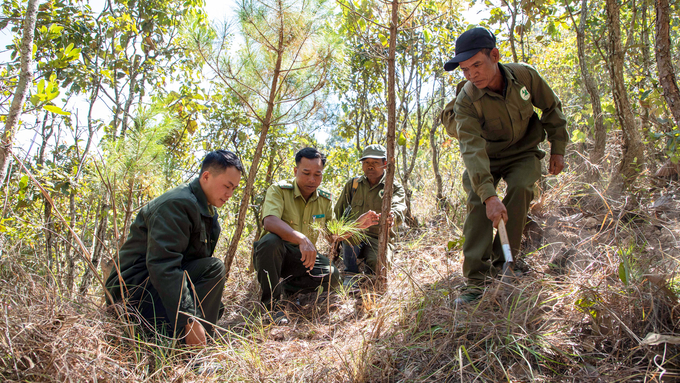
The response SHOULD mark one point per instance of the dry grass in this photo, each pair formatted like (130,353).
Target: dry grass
(571,317)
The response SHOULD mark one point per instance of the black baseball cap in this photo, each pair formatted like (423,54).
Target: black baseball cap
(469,43)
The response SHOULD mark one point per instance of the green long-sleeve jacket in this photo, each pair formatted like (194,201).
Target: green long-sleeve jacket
(509,126)
(177,227)
(367,198)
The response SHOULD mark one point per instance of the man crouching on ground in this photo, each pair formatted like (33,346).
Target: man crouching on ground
(165,270)
(364,194)
(287,248)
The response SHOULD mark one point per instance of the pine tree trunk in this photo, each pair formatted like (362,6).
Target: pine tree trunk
(266,123)
(25,77)
(381,284)
(664,60)
(632,152)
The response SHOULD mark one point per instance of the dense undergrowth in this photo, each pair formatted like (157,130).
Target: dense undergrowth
(598,276)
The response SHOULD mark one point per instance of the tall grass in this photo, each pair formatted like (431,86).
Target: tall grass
(599,280)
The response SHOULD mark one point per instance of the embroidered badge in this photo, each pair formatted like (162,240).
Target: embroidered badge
(524,93)
(380,194)
(314,217)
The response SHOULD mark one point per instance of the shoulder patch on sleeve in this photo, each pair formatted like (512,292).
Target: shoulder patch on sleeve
(324,193)
(285,184)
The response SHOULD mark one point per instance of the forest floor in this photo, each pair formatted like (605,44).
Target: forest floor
(598,276)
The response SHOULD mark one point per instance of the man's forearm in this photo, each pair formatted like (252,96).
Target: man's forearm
(276,225)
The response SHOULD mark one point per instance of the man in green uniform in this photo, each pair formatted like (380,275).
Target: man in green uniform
(165,270)
(362,195)
(286,250)
(499,133)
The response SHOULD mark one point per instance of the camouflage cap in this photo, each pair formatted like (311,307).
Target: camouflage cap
(374,151)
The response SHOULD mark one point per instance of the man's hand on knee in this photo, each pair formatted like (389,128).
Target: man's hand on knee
(495,210)
(307,250)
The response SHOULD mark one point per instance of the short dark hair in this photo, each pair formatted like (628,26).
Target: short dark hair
(220,160)
(310,153)
(486,51)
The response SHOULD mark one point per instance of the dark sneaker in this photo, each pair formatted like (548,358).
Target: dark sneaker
(351,282)
(468,296)
(279,318)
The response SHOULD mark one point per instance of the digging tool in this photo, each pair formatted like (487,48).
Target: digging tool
(508,273)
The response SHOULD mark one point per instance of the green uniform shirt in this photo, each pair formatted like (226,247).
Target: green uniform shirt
(509,126)
(285,201)
(368,197)
(175,228)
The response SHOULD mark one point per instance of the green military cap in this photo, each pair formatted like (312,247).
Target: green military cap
(374,151)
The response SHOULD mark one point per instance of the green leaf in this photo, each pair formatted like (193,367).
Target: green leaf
(402,139)
(35,100)
(578,136)
(383,39)
(645,94)
(23,182)
(623,273)
(56,110)
(427,35)
(75,53)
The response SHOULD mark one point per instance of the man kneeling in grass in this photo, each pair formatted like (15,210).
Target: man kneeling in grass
(361,195)
(285,257)
(166,271)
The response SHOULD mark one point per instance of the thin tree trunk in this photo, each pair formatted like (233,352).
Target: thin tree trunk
(645,47)
(49,234)
(46,134)
(632,152)
(134,71)
(381,284)
(442,203)
(25,77)
(599,131)
(266,122)
(69,249)
(411,220)
(70,257)
(257,209)
(98,240)
(664,60)
(128,212)
(511,32)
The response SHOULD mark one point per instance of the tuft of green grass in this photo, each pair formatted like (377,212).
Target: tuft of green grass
(341,227)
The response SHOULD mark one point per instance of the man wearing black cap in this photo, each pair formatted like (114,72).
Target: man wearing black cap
(499,132)
(363,195)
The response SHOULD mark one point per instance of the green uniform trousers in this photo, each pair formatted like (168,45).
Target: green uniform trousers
(367,250)
(483,255)
(206,283)
(275,258)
